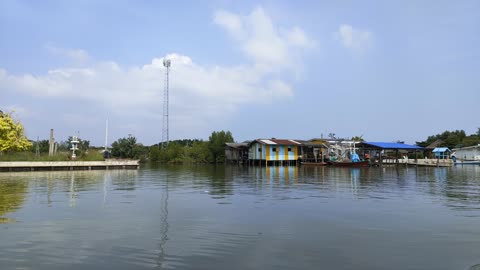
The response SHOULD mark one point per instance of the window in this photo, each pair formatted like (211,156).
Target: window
(274,149)
(289,149)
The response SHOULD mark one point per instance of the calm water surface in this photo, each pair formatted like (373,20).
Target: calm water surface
(241,218)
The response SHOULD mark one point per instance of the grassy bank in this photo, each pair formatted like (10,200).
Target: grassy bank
(62,156)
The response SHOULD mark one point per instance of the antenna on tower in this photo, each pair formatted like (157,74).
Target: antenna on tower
(165,139)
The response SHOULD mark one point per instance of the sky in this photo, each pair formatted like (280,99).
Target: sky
(383,70)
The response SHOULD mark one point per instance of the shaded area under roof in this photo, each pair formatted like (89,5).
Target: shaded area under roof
(237,145)
(391,145)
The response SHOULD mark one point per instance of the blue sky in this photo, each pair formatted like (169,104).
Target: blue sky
(382,69)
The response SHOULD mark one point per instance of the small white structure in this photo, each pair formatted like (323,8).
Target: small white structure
(469,153)
(74,143)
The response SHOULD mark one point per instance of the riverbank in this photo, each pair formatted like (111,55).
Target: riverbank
(9,166)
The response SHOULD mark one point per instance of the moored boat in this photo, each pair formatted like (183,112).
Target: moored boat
(314,163)
(357,164)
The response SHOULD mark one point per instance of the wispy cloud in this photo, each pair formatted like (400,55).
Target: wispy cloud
(76,55)
(356,40)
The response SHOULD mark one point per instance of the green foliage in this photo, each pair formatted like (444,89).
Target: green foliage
(128,148)
(43,146)
(216,144)
(192,151)
(11,135)
(173,153)
(154,153)
(60,156)
(357,138)
(452,139)
(83,145)
(199,153)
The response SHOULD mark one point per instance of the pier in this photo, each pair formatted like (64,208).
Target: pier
(13,166)
(418,162)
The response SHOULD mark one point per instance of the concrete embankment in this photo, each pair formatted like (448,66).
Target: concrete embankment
(420,162)
(9,166)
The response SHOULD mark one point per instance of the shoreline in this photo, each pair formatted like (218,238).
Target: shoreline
(14,166)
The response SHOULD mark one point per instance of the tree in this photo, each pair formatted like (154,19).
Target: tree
(451,139)
(12,136)
(42,145)
(216,144)
(128,148)
(199,152)
(358,138)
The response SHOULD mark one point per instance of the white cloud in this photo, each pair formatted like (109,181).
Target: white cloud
(356,40)
(200,95)
(271,48)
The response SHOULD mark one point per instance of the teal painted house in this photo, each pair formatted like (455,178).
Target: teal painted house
(273,150)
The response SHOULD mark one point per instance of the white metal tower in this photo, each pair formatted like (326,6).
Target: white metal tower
(165,138)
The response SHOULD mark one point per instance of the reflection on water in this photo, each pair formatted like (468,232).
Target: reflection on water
(232,217)
(12,196)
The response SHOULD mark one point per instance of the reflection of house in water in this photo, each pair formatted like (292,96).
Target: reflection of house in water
(276,174)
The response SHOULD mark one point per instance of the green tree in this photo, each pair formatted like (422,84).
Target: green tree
(172,153)
(125,147)
(12,136)
(43,146)
(154,153)
(216,144)
(451,139)
(357,138)
(199,153)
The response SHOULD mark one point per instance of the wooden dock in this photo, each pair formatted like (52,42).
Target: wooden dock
(14,166)
(419,162)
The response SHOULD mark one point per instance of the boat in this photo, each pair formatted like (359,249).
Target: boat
(350,164)
(466,162)
(353,162)
(313,163)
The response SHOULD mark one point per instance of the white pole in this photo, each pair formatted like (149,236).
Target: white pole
(106,135)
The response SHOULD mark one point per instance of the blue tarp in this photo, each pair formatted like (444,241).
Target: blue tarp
(390,145)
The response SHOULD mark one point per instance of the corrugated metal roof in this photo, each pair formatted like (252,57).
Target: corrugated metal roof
(279,141)
(390,145)
(440,150)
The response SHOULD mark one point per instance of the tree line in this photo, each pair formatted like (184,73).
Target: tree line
(452,139)
(177,151)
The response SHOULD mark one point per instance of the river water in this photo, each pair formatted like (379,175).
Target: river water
(241,218)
